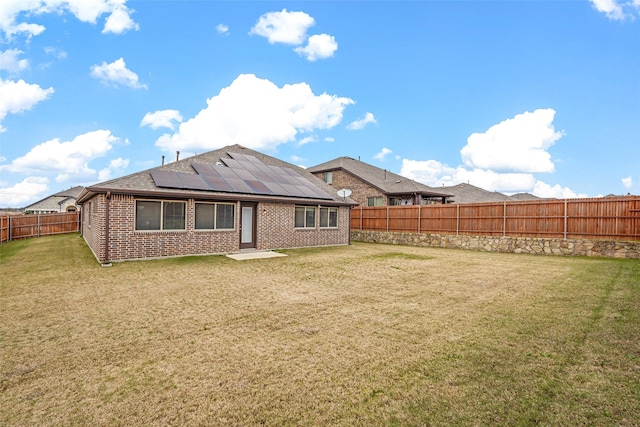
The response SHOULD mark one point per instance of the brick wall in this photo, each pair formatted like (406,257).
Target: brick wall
(274,230)
(360,189)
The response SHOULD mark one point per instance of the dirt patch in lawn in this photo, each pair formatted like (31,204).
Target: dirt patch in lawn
(358,335)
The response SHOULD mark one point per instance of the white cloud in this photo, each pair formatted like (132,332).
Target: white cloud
(544,190)
(258,114)
(283,27)
(16,97)
(116,73)
(116,167)
(161,118)
(25,192)
(504,159)
(69,159)
(11,11)
(10,62)
(120,21)
(58,53)
(436,174)
(319,46)
(617,10)
(361,123)
(307,139)
(382,154)
(297,159)
(627,182)
(222,28)
(519,144)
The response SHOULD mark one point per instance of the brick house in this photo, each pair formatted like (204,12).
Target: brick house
(64,201)
(218,202)
(372,186)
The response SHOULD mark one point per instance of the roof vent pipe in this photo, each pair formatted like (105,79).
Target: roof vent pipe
(162,160)
(177,156)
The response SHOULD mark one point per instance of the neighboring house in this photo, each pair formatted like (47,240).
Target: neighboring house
(372,186)
(218,202)
(64,201)
(467,193)
(522,197)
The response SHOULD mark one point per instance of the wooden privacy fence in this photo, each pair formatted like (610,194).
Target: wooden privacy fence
(15,227)
(616,218)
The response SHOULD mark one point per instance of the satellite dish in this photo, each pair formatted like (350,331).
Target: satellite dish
(344,193)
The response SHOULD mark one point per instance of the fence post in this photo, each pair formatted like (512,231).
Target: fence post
(457,218)
(565,219)
(360,217)
(419,211)
(387,218)
(9,229)
(504,220)
(38,227)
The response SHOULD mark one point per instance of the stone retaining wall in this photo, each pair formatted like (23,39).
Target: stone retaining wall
(518,245)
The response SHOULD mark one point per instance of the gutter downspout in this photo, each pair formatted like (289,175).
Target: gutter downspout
(106,263)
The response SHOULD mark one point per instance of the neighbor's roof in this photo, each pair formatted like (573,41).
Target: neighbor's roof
(162,181)
(55,201)
(467,193)
(386,181)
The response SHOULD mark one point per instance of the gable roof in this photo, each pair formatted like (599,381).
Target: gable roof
(386,181)
(190,178)
(467,193)
(55,201)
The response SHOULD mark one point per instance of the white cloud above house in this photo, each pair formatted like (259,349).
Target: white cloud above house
(517,144)
(162,119)
(256,113)
(13,12)
(222,29)
(627,182)
(19,96)
(319,46)
(362,123)
(10,61)
(24,192)
(116,74)
(283,27)
(291,28)
(504,158)
(617,10)
(67,160)
(382,154)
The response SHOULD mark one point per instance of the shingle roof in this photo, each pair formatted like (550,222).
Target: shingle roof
(386,181)
(55,201)
(467,193)
(143,184)
(524,196)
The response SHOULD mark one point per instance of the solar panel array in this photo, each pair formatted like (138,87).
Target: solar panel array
(241,174)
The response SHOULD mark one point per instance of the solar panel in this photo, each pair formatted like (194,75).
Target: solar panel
(193,182)
(217,184)
(241,174)
(167,179)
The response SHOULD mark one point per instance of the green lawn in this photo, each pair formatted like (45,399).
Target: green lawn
(358,335)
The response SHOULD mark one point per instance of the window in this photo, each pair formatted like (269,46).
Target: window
(374,201)
(328,217)
(305,217)
(215,216)
(160,215)
(328,177)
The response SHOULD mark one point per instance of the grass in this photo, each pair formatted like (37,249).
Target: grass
(350,336)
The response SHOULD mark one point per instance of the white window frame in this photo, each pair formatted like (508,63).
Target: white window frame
(327,177)
(305,226)
(329,210)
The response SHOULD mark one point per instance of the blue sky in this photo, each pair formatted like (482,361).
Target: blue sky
(513,96)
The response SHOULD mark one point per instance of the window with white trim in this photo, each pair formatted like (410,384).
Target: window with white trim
(215,216)
(327,177)
(328,217)
(305,217)
(155,215)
